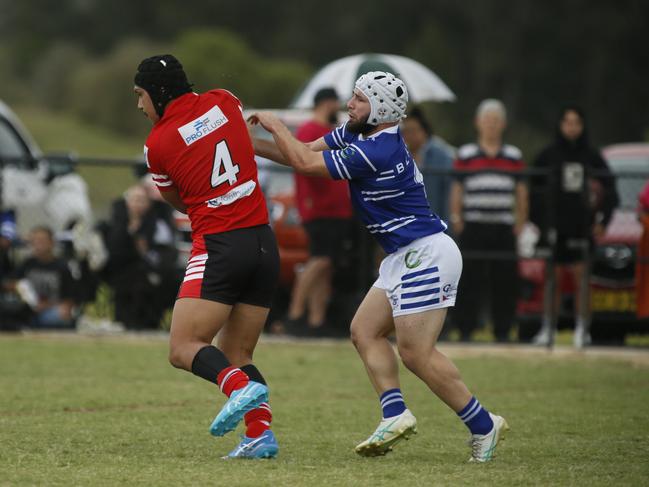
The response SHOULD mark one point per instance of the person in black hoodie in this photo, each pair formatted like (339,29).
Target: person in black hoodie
(581,195)
(142,263)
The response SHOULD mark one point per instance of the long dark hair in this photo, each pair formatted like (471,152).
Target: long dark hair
(582,140)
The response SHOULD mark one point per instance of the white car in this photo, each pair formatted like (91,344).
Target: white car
(40,189)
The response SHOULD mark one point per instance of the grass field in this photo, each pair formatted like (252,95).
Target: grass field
(92,411)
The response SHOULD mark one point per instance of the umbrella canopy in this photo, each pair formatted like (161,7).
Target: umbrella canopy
(422,83)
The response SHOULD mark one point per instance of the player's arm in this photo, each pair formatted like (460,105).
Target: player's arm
(163,182)
(318,145)
(172,197)
(269,150)
(295,154)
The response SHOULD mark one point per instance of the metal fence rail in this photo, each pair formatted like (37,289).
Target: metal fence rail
(108,178)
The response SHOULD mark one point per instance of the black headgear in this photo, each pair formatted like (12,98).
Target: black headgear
(163,78)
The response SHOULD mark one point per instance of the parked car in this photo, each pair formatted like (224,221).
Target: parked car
(40,189)
(612,281)
(43,189)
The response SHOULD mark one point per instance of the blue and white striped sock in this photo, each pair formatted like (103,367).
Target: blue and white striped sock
(392,403)
(476,418)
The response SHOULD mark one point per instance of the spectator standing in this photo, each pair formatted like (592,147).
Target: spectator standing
(582,197)
(429,152)
(44,283)
(142,260)
(325,210)
(488,208)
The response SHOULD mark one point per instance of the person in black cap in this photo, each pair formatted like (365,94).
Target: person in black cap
(200,157)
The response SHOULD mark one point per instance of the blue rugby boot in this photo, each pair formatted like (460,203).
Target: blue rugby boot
(264,446)
(240,402)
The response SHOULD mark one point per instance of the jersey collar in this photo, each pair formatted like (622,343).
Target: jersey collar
(390,130)
(176,104)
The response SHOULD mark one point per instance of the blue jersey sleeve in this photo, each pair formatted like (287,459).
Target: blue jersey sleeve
(349,163)
(339,138)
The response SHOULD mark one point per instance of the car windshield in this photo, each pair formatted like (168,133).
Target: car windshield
(629,186)
(11,147)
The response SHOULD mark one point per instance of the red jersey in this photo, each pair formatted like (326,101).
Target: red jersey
(319,197)
(201,148)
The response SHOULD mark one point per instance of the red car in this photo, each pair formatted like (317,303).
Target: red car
(612,281)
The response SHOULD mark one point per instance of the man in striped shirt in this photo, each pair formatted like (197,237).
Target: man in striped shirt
(419,277)
(489,206)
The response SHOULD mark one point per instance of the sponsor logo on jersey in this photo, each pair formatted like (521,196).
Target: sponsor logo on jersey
(233,195)
(203,125)
(347,152)
(413,258)
(448,291)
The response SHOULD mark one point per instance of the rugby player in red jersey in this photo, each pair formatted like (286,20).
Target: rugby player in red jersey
(201,158)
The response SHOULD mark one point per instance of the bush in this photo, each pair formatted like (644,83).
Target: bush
(221,59)
(53,72)
(101,92)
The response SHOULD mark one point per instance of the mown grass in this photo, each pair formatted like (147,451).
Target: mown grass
(110,411)
(63,133)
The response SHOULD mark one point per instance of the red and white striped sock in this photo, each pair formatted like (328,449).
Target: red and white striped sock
(231,379)
(258,420)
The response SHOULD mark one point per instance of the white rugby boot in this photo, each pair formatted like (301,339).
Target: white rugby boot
(483,446)
(390,432)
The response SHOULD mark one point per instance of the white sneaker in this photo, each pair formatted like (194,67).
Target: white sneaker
(390,432)
(543,337)
(483,446)
(581,337)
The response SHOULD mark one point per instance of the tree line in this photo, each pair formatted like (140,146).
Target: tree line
(79,56)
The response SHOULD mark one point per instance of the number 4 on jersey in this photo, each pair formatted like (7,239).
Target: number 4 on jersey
(223,170)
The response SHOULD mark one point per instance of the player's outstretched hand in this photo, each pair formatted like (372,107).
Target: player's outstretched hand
(266,119)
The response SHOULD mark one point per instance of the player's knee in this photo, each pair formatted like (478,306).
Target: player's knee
(176,357)
(411,356)
(353,335)
(357,335)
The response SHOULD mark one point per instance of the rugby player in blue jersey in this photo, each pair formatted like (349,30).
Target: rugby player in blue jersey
(417,280)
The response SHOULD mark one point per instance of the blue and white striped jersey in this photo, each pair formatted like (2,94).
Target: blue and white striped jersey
(386,186)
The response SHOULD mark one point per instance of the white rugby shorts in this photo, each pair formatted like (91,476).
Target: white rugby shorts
(421,276)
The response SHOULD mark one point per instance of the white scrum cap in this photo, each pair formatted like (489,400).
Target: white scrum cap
(387,94)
